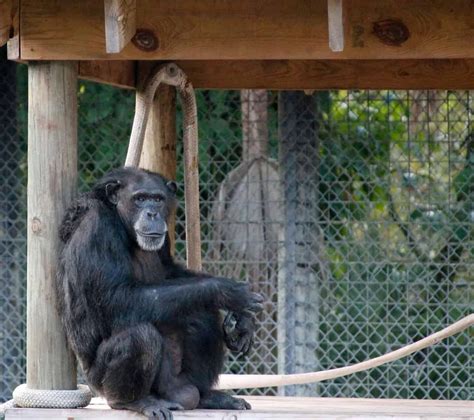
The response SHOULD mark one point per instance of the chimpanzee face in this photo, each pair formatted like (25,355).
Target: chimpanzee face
(144,204)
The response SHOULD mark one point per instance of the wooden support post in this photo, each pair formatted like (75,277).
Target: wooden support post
(52,179)
(336,25)
(159,146)
(120,24)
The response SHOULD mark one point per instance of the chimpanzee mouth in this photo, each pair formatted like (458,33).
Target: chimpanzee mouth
(155,235)
(150,241)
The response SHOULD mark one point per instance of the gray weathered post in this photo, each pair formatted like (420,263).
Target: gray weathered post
(52,180)
(301,242)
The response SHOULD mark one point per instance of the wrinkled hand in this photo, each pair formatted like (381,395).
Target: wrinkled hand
(239,330)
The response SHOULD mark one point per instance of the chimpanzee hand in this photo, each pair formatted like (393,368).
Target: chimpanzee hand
(239,329)
(237,296)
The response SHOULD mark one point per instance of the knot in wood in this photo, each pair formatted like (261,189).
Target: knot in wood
(36,225)
(145,40)
(391,32)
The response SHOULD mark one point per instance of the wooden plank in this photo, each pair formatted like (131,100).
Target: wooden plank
(159,146)
(336,25)
(120,23)
(5,20)
(246,29)
(331,74)
(10,27)
(279,408)
(116,73)
(301,74)
(52,180)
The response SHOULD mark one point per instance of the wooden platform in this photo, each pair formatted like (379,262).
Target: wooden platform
(280,408)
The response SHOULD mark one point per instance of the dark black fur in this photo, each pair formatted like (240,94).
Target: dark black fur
(146,331)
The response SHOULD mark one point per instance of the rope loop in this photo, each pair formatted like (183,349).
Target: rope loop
(44,398)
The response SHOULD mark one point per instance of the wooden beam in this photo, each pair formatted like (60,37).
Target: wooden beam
(52,180)
(9,27)
(116,73)
(120,23)
(336,25)
(302,74)
(250,30)
(331,74)
(5,21)
(13,45)
(159,147)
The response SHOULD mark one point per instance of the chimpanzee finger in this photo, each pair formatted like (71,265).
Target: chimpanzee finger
(257,297)
(256,307)
(248,346)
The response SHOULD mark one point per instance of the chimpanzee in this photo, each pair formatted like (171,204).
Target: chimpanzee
(147,332)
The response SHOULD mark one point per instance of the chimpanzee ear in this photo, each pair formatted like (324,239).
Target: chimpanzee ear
(172,186)
(111,190)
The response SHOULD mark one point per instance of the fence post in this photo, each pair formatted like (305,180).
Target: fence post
(299,253)
(52,180)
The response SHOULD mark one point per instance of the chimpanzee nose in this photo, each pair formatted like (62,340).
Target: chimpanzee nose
(151,214)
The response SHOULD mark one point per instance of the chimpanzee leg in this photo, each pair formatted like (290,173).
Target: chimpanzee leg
(125,367)
(170,383)
(204,359)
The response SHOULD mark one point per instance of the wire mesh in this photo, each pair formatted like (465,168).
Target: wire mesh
(352,211)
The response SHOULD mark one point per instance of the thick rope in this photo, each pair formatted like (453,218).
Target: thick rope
(43,398)
(191,177)
(170,74)
(263,381)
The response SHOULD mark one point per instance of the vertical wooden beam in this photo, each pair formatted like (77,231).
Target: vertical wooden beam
(120,24)
(336,25)
(52,179)
(159,147)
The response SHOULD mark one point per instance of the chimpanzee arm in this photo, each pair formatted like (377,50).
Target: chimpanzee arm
(97,262)
(173,301)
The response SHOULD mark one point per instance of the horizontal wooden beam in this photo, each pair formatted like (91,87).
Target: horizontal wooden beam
(306,74)
(253,30)
(120,23)
(116,73)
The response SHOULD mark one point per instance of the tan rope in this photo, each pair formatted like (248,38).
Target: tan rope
(191,177)
(171,74)
(262,381)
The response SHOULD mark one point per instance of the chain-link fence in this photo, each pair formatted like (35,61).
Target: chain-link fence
(352,211)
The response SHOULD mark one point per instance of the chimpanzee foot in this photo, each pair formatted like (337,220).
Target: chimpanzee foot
(216,400)
(151,407)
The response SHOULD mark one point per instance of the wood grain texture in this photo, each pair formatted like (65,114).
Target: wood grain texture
(120,23)
(330,74)
(52,179)
(267,29)
(159,146)
(282,408)
(336,25)
(119,73)
(5,20)
(301,74)
(10,27)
